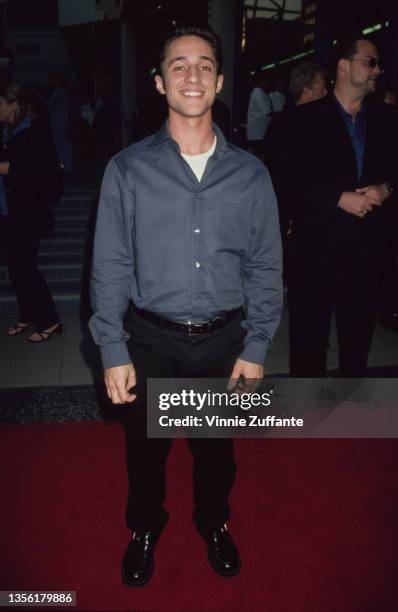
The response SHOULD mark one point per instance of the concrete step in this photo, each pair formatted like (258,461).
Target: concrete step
(64,272)
(71,223)
(63,245)
(74,232)
(66,295)
(65,302)
(73,213)
(52,271)
(56,286)
(73,192)
(61,254)
(80,188)
(75,203)
(60,258)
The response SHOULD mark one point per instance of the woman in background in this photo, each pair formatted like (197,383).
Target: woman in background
(30,183)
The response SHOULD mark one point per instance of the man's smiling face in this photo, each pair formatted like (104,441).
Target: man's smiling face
(189,78)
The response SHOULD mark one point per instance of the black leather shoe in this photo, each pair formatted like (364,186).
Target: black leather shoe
(138,562)
(222,552)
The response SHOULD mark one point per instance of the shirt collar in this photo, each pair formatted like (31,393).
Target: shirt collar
(164,134)
(348,116)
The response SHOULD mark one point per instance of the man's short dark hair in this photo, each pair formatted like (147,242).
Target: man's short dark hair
(205,32)
(303,76)
(344,48)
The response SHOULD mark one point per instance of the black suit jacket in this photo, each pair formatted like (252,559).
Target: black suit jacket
(312,162)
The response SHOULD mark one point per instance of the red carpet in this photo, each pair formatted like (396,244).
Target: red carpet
(316,521)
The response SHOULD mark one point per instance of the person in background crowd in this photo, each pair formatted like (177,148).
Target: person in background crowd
(85,138)
(30,183)
(340,173)
(307,83)
(262,107)
(277,97)
(187,229)
(106,117)
(60,115)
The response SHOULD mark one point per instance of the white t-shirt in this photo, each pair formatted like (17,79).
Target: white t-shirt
(258,118)
(198,162)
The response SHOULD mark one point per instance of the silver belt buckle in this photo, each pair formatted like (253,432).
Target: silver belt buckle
(191,328)
(192,325)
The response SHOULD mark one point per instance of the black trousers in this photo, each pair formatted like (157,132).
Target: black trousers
(158,353)
(389,294)
(321,282)
(19,245)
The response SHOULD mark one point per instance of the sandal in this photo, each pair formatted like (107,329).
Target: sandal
(45,334)
(18,328)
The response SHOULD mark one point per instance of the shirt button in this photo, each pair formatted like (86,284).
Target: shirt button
(197,231)
(197,264)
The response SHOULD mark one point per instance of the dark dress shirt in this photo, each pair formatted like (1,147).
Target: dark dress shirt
(357,131)
(185,249)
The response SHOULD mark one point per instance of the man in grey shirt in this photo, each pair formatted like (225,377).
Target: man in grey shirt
(188,236)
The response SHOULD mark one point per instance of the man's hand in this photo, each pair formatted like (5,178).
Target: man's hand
(118,381)
(357,204)
(4,168)
(376,193)
(252,373)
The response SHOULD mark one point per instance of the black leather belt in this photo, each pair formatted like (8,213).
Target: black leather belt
(189,327)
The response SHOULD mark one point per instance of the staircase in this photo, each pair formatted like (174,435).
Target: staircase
(63,254)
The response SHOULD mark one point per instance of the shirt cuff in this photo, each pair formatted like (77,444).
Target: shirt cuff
(254,352)
(115,354)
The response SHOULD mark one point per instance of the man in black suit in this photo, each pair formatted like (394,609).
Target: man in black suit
(340,171)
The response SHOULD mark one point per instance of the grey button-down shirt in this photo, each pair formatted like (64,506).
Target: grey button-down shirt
(184,249)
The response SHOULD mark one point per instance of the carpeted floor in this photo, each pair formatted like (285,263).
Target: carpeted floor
(316,521)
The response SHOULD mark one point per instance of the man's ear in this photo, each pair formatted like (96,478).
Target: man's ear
(306,93)
(342,65)
(159,84)
(220,81)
